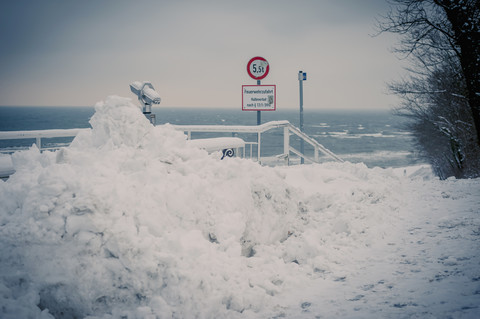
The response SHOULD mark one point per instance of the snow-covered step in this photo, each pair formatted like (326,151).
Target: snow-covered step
(6,166)
(225,144)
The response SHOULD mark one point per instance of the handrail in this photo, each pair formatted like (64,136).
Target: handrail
(314,143)
(16,135)
(39,134)
(253,129)
(231,128)
(299,154)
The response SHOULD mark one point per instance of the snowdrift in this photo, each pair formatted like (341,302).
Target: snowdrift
(131,222)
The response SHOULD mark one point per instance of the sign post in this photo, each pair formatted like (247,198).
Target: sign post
(259,113)
(302,76)
(258,97)
(258,69)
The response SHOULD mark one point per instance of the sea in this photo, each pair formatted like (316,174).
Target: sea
(376,138)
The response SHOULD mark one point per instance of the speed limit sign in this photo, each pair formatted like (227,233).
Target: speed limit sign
(257,68)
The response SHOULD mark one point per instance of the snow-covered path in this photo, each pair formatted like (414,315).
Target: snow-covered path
(437,257)
(427,267)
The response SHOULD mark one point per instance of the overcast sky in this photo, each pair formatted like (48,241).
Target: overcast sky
(195,53)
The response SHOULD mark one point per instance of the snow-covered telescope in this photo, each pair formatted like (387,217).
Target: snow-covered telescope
(147,96)
(145,92)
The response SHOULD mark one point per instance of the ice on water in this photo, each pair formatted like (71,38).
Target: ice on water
(130,221)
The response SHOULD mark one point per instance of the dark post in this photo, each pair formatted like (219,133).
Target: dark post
(300,82)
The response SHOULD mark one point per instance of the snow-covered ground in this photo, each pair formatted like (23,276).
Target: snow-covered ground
(131,222)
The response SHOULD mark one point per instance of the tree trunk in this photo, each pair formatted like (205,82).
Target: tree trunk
(472,74)
(467,37)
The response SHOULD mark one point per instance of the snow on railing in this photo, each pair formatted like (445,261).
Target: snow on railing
(288,128)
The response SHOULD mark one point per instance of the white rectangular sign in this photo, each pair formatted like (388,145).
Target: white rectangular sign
(259,97)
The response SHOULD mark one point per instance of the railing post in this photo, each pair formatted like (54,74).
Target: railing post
(286,144)
(259,147)
(315,149)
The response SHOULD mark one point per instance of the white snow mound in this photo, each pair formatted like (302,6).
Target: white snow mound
(131,222)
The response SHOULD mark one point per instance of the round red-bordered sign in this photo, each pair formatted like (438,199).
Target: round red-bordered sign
(258,68)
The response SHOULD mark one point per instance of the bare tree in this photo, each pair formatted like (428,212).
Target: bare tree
(440,37)
(448,26)
(441,120)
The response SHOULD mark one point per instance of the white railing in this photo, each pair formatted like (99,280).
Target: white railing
(39,134)
(288,130)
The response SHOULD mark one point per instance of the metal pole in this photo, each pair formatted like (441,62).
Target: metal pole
(259,121)
(302,144)
(259,113)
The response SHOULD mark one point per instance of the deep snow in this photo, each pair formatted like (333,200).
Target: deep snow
(131,222)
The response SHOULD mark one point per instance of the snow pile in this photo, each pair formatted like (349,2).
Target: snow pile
(6,166)
(132,222)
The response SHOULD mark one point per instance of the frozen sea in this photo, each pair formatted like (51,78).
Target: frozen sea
(376,138)
(130,221)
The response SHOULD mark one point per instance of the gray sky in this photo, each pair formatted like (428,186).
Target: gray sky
(61,52)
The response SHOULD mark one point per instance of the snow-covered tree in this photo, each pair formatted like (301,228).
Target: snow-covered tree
(441,120)
(442,95)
